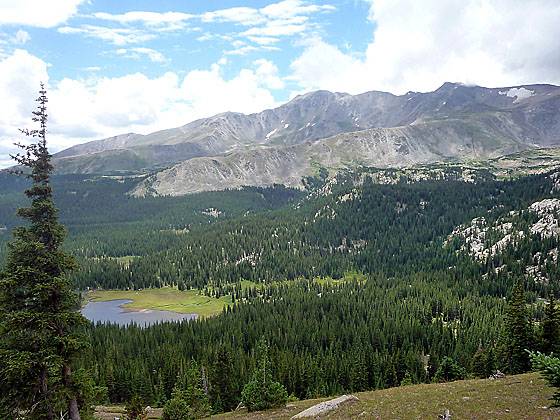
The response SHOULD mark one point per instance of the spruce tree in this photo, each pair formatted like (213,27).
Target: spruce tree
(38,308)
(517,337)
(223,389)
(551,328)
(262,392)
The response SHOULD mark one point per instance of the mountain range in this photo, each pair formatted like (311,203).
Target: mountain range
(332,130)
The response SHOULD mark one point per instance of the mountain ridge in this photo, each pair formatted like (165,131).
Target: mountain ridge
(454,122)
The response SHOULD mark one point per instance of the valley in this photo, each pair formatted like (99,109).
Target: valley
(362,262)
(279,209)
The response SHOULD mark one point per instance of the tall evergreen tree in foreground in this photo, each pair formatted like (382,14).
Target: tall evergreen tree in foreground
(38,308)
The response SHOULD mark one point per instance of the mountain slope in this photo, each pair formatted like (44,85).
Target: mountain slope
(491,135)
(531,112)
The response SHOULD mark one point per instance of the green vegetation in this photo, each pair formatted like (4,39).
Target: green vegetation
(518,332)
(550,330)
(165,299)
(514,397)
(324,339)
(355,286)
(262,392)
(39,320)
(549,366)
(189,399)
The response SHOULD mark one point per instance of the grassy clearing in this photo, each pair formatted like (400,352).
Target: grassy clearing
(110,412)
(125,260)
(514,397)
(165,299)
(348,277)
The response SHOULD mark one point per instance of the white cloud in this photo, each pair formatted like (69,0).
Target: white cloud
(262,27)
(263,40)
(116,36)
(242,15)
(420,45)
(20,75)
(86,109)
(21,37)
(137,52)
(40,13)
(240,48)
(267,72)
(289,8)
(148,18)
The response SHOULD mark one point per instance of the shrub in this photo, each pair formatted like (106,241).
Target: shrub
(449,370)
(177,408)
(549,367)
(135,409)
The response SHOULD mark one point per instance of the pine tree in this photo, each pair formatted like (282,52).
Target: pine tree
(38,309)
(223,388)
(551,328)
(190,387)
(479,364)
(517,338)
(262,392)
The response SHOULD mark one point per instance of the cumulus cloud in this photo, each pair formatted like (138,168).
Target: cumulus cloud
(420,45)
(39,13)
(247,16)
(20,75)
(86,109)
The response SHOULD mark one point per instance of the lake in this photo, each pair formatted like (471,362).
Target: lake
(112,312)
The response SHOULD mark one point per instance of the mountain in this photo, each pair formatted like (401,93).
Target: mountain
(333,130)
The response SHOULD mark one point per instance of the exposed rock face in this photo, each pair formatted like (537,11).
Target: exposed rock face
(325,407)
(394,147)
(483,240)
(476,236)
(534,118)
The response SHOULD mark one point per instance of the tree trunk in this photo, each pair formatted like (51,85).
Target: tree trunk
(45,392)
(73,410)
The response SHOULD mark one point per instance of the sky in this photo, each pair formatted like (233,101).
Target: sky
(114,67)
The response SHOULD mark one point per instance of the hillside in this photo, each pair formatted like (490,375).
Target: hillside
(514,397)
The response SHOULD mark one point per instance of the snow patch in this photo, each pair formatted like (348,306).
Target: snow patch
(271,133)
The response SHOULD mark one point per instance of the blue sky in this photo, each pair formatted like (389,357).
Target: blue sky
(123,66)
(105,37)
